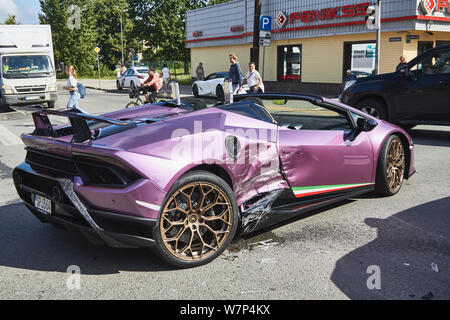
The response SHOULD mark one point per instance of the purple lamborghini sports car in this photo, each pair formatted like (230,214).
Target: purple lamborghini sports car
(185,179)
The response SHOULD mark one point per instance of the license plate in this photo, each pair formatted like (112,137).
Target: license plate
(42,203)
(32,98)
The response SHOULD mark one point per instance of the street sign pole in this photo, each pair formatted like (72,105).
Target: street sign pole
(97,50)
(264,37)
(264,59)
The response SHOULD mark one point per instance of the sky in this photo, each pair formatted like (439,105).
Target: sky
(26,11)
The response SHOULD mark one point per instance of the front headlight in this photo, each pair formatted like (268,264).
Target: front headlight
(52,87)
(348,84)
(7,89)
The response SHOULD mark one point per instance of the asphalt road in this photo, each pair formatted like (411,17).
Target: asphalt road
(330,253)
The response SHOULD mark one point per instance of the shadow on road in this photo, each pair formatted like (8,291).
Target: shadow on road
(29,244)
(430,137)
(412,250)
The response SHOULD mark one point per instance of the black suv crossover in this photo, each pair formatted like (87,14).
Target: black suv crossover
(417,94)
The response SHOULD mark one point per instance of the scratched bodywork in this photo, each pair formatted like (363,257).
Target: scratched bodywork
(112,176)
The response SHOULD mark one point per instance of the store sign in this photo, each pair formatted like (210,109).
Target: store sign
(338,12)
(281,19)
(237,29)
(431,6)
(197,34)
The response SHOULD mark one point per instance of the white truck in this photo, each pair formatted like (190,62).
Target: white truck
(27,74)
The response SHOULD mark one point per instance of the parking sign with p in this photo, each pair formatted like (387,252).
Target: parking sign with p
(265,23)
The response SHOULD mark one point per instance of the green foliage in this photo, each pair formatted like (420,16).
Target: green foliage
(159,24)
(73,44)
(11,19)
(109,14)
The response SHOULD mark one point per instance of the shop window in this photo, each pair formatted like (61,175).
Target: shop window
(289,63)
(359,57)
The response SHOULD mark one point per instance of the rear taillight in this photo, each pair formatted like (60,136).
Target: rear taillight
(104,171)
(140,77)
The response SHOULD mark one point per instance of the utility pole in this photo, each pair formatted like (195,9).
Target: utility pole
(378,17)
(254,52)
(373,21)
(121,37)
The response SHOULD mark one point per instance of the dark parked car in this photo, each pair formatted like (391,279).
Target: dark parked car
(418,94)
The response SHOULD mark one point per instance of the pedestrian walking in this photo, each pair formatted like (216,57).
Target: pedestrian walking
(235,73)
(72,87)
(123,69)
(253,79)
(402,64)
(166,76)
(200,72)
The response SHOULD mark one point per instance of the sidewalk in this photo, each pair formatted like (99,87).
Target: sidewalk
(110,85)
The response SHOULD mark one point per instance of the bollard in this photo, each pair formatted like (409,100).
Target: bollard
(228,91)
(175,91)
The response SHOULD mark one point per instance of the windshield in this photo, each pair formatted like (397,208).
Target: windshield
(32,66)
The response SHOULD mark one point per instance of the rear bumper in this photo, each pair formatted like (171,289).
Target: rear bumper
(71,212)
(29,98)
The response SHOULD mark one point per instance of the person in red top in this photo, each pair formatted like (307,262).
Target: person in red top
(153,84)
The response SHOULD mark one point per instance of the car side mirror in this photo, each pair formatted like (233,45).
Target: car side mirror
(362,125)
(366,125)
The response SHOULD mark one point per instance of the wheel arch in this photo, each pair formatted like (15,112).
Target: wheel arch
(405,144)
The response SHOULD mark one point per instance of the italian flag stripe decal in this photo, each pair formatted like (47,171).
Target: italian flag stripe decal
(309,191)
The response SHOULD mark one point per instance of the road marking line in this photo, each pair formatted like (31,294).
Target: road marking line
(8,138)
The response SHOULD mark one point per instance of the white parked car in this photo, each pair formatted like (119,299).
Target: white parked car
(132,77)
(213,85)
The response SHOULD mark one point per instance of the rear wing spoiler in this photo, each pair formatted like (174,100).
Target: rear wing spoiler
(78,121)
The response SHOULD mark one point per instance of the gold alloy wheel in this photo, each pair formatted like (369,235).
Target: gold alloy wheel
(395,166)
(196,221)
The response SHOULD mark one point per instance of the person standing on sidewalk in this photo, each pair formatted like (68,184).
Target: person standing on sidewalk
(401,65)
(253,79)
(200,72)
(166,76)
(71,86)
(235,73)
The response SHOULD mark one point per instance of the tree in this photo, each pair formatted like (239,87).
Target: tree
(161,23)
(73,31)
(108,15)
(11,19)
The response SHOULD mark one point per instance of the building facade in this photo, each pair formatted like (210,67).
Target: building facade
(314,42)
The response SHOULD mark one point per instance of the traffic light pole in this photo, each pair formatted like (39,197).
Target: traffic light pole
(377,56)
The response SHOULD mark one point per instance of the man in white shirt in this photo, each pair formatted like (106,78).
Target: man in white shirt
(166,75)
(253,79)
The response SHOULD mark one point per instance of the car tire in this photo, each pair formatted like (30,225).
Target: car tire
(195,90)
(197,221)
(51,104)
(373,107)
(220,94)
(132,85)
(390,167)
(118,85)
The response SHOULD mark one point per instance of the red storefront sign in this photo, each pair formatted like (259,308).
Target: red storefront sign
(430,6)
(339,12)
(237,29)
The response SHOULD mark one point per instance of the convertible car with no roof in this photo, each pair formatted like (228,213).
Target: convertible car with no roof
(185,179)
